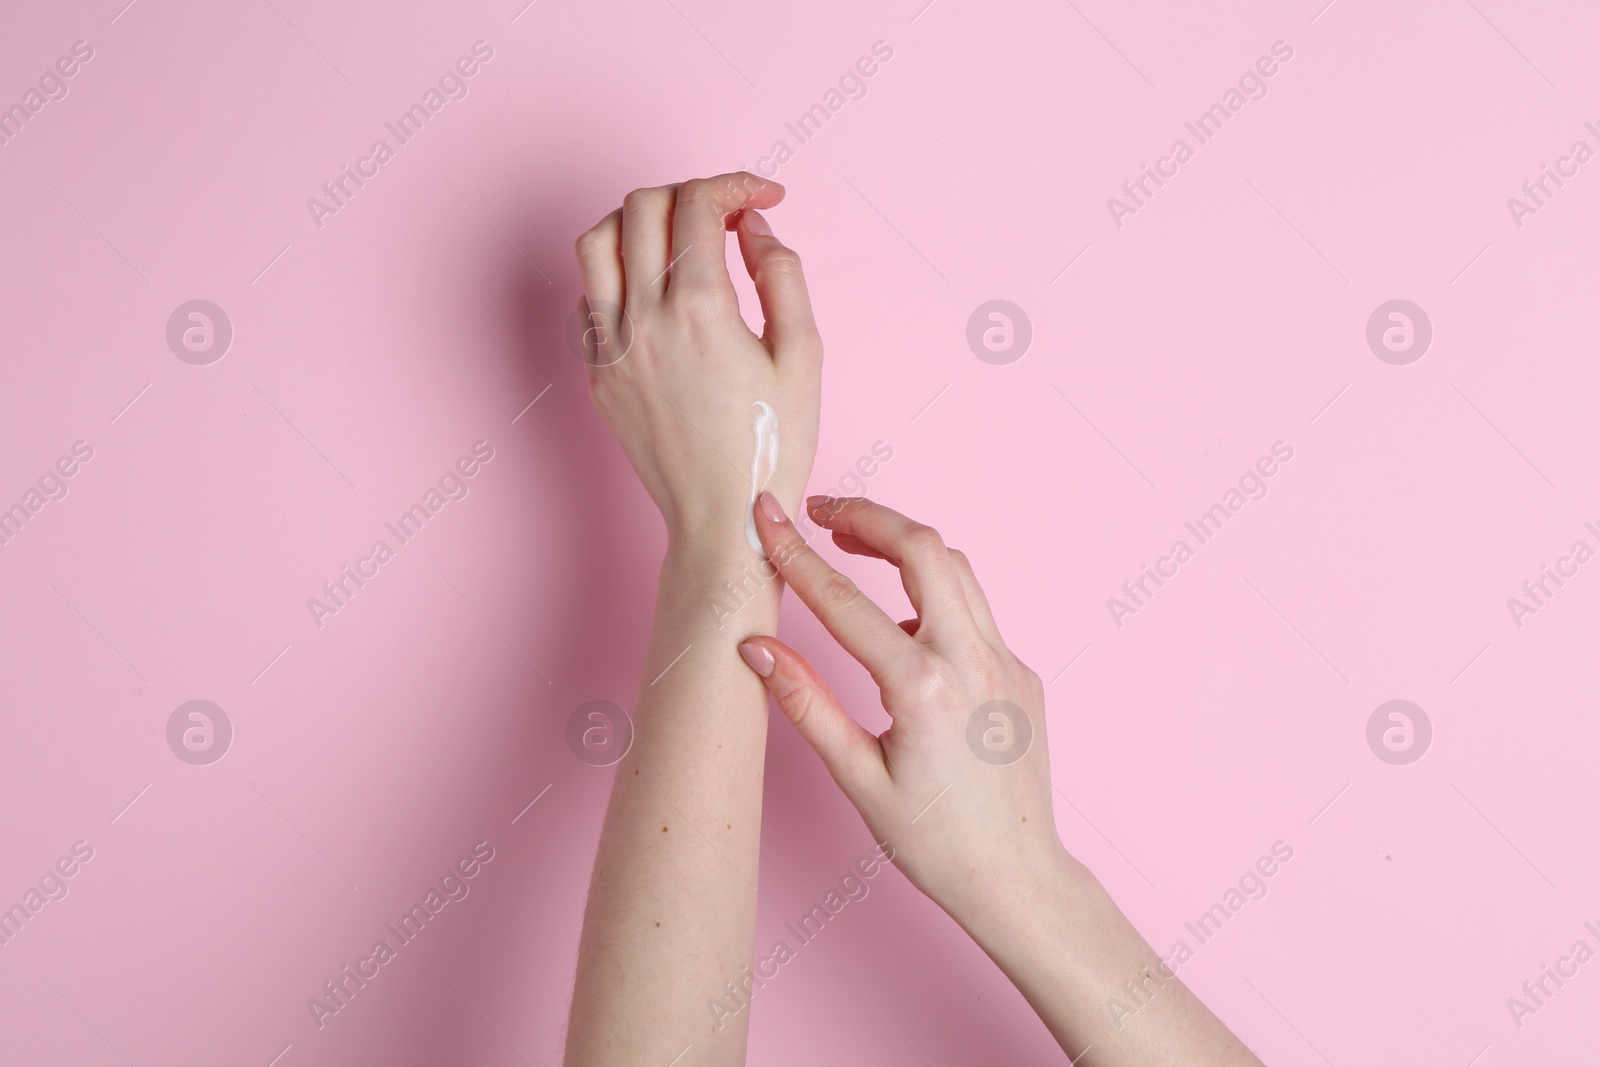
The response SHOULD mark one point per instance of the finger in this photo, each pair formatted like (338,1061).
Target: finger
(699,222)
(852,755)
(856,547)
(845,611)
(977,602)
(981,613)
(646,235)
(926,570)
(600,261)
(790,333)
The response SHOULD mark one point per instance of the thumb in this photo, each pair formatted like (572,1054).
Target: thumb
(851,754)
(791,331)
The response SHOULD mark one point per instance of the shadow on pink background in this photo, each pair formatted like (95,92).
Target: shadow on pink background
(1175,341)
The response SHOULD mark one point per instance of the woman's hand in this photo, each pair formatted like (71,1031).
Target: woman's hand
(959,785)
(670,917)
(959,788)
(681,380)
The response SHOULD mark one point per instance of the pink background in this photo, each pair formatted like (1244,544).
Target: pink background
(369,354)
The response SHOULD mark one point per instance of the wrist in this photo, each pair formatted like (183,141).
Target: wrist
(733,589)
(719,530)
(1022,911)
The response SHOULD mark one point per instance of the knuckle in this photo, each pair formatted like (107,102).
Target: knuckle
(923,684)
(788,550)
(798,703)
(960,559)
(748,185)
(642,201)
(836,591)
(986,667)
(782,262)
(590,243)
(779,268)
(784,550)
(923,541)
(807,347)
(695,191)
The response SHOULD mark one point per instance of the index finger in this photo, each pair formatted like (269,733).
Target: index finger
(874,639)
(699,220)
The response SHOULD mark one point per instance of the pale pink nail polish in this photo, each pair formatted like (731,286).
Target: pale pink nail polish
(819,503)
(771,508)
(760,659)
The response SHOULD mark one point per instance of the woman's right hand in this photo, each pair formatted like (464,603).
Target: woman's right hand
(959,785)
(960,791)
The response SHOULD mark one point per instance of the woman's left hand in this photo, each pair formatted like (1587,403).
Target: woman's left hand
(679,377)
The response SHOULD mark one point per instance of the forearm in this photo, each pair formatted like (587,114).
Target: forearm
(1093,979)
(671,910)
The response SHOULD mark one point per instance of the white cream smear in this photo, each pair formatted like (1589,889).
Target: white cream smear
(762,466)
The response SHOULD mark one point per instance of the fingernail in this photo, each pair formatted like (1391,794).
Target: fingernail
(760,659)
(756,224)
(771,508)
(817,503)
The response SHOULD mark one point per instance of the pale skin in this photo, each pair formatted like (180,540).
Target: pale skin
(671,911)
(671,908)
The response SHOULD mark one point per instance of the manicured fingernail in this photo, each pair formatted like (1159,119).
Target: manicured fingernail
(756,224)
(760,659)
(817,503)
(771,508)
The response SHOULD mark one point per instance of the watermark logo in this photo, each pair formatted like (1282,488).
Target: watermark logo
(1399,732)
(1537,992)
(52,886)
(339,191)
(1399,332)
(999,732)
(1137,992)
(199,332)
(1137,593)
(52,485)
(852,85)
(199,732)
(1204,127)
(999,332)
(599,332)
(454,484)
(52,86)
(1537,192)
(452,887)
(1536,593)
(599,732)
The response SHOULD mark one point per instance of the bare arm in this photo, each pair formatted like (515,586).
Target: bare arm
(689,390)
